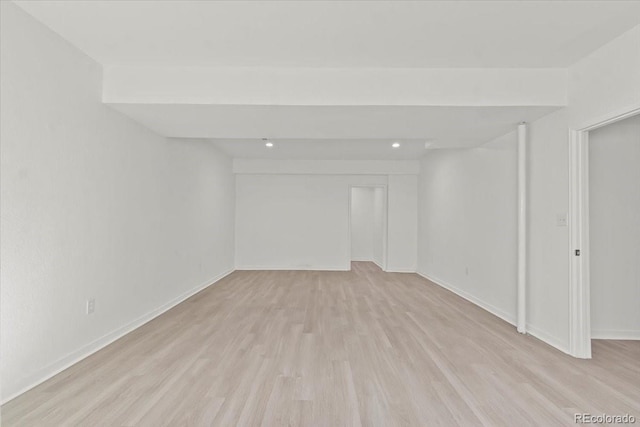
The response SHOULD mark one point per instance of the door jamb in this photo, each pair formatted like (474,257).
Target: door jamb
(579,271)
(385,222)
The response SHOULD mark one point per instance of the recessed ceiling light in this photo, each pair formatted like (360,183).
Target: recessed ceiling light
(395,145)
(269,144)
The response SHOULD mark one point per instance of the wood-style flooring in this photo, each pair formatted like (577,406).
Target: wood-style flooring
(310,348)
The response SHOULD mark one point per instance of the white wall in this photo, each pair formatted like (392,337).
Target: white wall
(307,214)
(92,205)
(606,81)
(287,218)
(403,223)
(295,221)
(362,212)
(467,223)
(380,209)
(326,167)
(548,251)
(335,86)
(614,229)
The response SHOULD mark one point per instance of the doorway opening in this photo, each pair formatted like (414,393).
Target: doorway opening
(614,230)
(614,201)
(368,225)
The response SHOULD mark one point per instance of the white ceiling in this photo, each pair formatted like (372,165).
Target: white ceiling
(450,126)
(338,34)
(323,132)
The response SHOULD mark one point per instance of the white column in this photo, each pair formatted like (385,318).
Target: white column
(522,228)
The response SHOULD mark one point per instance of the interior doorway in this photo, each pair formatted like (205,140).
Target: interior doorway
(368,224)
(580,207)
(614,230)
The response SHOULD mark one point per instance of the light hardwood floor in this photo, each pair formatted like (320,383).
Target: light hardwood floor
(308,348)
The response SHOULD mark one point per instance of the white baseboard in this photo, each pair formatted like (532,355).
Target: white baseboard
(292,268)
(548,339)
(400,270)
(87,350)
(388,270)
(531,330)
(378,264)
(477,301)
(614,334)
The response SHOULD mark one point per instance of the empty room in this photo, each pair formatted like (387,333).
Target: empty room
(319,213)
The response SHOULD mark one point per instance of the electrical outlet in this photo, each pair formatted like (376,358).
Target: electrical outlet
(562,220)
(91,305)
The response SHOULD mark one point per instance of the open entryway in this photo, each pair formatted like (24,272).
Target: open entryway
(605,231)
(368,224)
(614,230)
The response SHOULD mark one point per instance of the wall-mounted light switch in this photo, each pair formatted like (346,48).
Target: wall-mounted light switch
(91,305)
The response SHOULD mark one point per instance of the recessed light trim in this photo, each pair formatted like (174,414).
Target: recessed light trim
(396,145)
(269,144)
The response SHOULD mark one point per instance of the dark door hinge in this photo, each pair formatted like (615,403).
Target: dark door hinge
(577,252)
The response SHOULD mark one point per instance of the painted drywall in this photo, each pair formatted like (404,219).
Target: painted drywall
(326,167)
(467,223)
(548,249)
(606,81)
(614,229)
(362,212)
(286,218)
(403,223)
(92,206)
(335,86)
(373,34)
(295,221)
(380,226)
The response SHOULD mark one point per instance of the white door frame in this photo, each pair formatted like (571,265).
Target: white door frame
(579,279)
(385,222)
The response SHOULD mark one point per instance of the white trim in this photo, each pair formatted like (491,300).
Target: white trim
(609,118)
(511,319)
(236,252)
(359,259)
(376,263)
(349,247)
(579,305)
(385,223)
(548,339)
(87,350)
(615,334)
(402,270)
(507,317)
(521,306)
(579,282)
(292,268)
(385,227)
